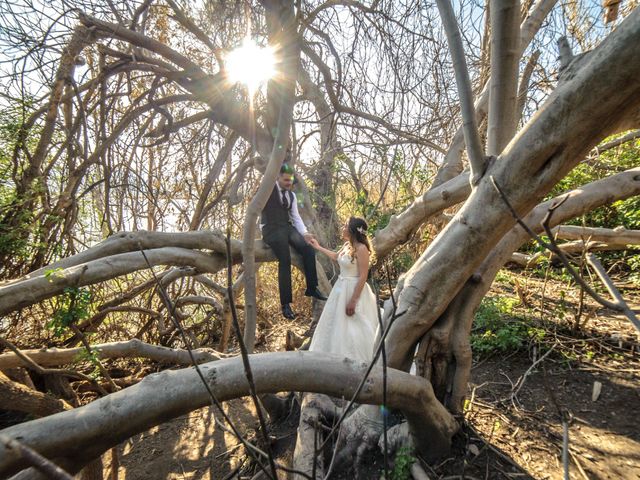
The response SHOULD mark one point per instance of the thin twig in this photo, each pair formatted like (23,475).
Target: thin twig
(565,419)
(49,371)
(516,388)
(334,454)
(245,359)
(574,457)
(613,291)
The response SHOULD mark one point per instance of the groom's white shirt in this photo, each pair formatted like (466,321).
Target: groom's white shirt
(293,212)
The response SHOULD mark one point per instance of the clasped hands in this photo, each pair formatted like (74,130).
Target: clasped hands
(311,240)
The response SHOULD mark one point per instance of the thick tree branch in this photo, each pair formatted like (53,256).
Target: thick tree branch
(505,16)
(88,431)
(134,348)
(469,125)
(571,122)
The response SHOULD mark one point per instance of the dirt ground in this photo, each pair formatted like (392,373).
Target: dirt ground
(189,447)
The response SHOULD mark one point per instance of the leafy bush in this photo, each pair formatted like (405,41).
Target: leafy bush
(73,306)
(498,329)
(402,464)
(624,212)
(18,225)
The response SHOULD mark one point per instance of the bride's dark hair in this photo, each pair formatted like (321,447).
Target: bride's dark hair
(358,229)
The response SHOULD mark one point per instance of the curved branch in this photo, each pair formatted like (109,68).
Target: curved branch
(434,201)
(88,431)
(131,36)
(37,288)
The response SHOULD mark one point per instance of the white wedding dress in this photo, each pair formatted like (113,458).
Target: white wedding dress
(353,336)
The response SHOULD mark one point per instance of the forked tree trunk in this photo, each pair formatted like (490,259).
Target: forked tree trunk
(571,122)
(451,345)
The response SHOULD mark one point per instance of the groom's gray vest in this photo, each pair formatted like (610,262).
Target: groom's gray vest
(274,214)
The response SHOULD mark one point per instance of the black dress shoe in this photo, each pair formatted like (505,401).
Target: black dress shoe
(287,312)
(315,293)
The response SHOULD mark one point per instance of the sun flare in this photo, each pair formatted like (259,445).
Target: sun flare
(250,64)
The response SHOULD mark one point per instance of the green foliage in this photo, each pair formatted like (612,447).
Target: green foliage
(401,262)
(376,218)
(503,276)
(17,231)
(52,273)
(73,307)
(93,357)
(625,212)
(634,265)
(14,240)
(402,464)
(498,329)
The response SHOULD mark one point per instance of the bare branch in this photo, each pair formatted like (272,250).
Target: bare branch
(469,124)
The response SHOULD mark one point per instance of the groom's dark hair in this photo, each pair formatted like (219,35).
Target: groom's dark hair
(286,168)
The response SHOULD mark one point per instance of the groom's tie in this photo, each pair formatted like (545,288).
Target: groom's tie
(285,204)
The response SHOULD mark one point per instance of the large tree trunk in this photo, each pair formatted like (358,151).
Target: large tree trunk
(571,122)
(445,354)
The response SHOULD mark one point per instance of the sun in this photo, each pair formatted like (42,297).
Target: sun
(250,64)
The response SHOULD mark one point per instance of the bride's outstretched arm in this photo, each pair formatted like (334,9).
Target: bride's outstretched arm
(329,253)
(362,257)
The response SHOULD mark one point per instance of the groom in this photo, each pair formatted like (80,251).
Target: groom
(282,226)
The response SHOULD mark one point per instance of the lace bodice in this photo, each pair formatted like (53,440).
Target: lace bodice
(347,267)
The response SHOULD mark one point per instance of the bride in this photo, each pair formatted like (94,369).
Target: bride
(349,319)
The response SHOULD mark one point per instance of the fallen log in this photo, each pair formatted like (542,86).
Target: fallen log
(134,348)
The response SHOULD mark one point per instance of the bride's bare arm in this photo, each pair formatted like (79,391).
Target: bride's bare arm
(362,257)
(329,253)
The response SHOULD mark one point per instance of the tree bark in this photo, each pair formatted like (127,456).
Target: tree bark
(469,124)
(14,396)
(452,164)
(283,31)
(585,199)
(505,54)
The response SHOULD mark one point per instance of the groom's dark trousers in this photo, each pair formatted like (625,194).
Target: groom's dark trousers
(278,232)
